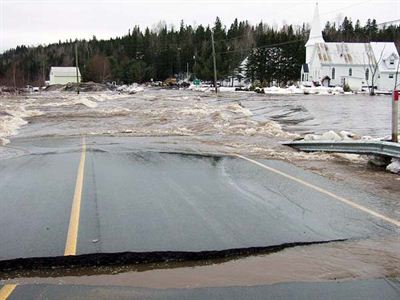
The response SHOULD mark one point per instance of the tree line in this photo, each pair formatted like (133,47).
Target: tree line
(274,54)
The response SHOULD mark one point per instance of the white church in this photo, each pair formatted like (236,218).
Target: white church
(359,65)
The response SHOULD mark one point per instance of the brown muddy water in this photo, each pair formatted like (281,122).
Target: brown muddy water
(242,123)
(358,259)
(156,112)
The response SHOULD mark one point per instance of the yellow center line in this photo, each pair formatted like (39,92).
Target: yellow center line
(321,190)
(70,246)
(6,291)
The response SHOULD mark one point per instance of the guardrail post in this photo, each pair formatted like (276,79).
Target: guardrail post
(395,117)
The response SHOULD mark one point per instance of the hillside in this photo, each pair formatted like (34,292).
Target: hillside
(142,55)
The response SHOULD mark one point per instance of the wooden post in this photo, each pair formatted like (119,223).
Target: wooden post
(43,76)
(14,79)
(179,63)
(395,117)
(214,62)
(77,68)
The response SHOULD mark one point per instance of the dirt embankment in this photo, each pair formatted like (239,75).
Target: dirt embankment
(83,87)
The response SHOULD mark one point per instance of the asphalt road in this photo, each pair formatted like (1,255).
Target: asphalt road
(354,290)
(147,201)
(107,195)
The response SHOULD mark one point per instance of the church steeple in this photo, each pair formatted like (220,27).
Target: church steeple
(315,34)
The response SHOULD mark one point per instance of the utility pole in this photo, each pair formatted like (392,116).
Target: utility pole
(14,79)
(179,63)
(395,103)
(77,69)
(395,116)
(104,70)
(43,76)
(214,62)
(194,67)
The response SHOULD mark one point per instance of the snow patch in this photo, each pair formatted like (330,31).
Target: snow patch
(130,89)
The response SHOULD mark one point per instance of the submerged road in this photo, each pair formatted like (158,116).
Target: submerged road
(363,290)
(93,195)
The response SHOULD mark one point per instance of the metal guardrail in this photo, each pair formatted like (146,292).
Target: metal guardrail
(355,147)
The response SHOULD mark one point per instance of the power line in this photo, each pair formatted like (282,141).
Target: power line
(325,13)
(263,47)
(248,34)
(289,42)
(234,38)
(345,7)
(389,22)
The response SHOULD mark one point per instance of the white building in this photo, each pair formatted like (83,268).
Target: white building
(63,75)
(357,64)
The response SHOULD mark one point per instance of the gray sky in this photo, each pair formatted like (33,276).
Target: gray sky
(33,22)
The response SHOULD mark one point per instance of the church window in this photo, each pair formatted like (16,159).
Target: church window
(333,73)
(367,74)
(350,72)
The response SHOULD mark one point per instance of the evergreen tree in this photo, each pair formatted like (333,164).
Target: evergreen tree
(157,54)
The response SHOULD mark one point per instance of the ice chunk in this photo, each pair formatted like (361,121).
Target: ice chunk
(330,136)
(85,101)
(4,141)
(394,166)
(346,135)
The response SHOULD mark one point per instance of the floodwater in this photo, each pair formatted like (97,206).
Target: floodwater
(360,114)
(156,112)
(240,122)
(360,259)
(232,122)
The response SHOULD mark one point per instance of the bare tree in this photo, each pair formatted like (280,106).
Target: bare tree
(373,68)
(99,68)
(396,85)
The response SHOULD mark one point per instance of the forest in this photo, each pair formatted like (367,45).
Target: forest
(274,54)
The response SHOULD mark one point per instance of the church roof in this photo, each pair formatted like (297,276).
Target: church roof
(343,53)
(356,53)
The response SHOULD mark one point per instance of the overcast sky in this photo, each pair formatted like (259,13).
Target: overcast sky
(33,22)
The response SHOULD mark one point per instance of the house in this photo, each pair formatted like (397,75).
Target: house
(63,75)
(359,65)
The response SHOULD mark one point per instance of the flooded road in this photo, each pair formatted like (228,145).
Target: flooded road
(42,132)
(361,259)
(360,114)
(240,122)
(156,112)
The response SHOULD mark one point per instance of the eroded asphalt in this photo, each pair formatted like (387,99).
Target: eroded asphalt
(136,204)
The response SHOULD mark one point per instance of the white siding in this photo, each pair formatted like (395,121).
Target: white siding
(314,68)
(63,80)
(63,75)
(386,83)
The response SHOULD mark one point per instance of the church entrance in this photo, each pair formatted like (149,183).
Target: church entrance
(326,81)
